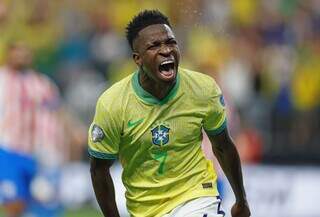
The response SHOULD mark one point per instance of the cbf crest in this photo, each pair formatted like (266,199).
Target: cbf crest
(160,135)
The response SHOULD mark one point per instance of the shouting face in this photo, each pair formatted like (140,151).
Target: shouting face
(156,53)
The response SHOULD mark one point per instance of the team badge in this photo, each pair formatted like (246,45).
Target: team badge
(97,133)
(160,135)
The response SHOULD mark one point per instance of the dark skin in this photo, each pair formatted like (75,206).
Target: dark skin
(228,157)
(153,45)
(156,44)
(103,186)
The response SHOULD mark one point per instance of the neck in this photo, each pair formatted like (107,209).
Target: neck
(158,90)
(16,69)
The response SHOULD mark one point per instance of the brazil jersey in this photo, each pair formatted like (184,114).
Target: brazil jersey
(158,142)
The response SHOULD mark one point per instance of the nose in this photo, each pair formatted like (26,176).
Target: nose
(165,50)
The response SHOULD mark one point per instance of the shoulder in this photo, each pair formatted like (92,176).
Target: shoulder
(199,83)
(46,80)
(3,71)
(3,74)
(113,98)
(42,83)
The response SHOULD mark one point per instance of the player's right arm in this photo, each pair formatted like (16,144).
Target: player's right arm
(103,186)
(104,138)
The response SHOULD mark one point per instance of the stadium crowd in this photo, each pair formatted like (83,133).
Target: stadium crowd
(264,54)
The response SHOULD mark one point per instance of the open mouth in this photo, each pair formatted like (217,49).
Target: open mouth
(166,68)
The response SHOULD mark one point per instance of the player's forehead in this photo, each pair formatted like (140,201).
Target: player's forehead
(154,33)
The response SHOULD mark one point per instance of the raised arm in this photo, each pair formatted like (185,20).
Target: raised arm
(103,186)
(228,157)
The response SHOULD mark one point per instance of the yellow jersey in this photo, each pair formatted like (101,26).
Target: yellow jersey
(158,141)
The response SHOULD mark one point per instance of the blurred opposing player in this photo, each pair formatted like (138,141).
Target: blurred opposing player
(152,121)
(29,127)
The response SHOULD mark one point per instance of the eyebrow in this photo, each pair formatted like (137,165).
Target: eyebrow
(159,41)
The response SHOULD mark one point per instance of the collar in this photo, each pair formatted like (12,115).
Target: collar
(149,98)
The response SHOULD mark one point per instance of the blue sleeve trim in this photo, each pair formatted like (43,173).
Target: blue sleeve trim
(101,155)
(217,131)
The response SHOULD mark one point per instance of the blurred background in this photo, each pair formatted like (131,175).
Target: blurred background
(265,55)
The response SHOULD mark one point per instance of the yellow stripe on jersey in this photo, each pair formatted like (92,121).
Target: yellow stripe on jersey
(158,141)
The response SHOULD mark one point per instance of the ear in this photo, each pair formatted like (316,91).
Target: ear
(137,59)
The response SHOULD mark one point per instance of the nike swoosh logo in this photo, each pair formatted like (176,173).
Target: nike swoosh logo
(134,123)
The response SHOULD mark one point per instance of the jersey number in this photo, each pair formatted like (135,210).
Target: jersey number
(161,157)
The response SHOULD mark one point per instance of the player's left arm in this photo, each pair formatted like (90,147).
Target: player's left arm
(228,157)
(215,125)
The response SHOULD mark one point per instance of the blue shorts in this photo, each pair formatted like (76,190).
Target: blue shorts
(16,173)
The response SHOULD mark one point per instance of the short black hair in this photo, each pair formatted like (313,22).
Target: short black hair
(142,20)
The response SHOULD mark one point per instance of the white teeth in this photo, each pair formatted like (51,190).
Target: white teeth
(167,62)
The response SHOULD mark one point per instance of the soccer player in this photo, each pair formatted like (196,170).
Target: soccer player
(152,122)
(29,127)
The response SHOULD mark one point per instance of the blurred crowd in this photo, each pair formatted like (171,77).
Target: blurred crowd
(265,55)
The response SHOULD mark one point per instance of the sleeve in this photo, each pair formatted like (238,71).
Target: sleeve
(215,121)
(104,133)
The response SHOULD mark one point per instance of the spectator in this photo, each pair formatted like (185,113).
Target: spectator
(31,128)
